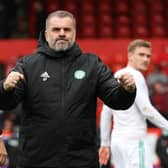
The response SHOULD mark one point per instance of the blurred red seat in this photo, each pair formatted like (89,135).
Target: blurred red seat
(105,19)
(104,6)
(156,6)
(87,6)
(157,18)
(52,5)
(140,18)
(139,6)
(87,19)
(121,6)
(105,25)
(87,25)
(105,31)
(140,31)
(158,31)
(88,31)
(34,21)
(122,19)
(71,6)
(165,8)
(123,31)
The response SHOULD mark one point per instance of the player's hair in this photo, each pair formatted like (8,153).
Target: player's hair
(138,43)
(61,14)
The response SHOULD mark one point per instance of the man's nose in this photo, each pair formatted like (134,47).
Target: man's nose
(62,32)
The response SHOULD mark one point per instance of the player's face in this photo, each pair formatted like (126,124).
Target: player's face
(140,58)
(60,33)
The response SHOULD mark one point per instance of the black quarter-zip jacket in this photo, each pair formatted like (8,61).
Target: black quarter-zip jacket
(59,96)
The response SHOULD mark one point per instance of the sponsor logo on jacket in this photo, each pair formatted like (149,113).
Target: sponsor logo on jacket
(45,76)
(79,74)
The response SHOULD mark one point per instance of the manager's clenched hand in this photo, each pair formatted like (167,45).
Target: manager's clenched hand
(12,80)
(127,81)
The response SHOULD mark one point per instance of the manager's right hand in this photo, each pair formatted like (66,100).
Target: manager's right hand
(12,80)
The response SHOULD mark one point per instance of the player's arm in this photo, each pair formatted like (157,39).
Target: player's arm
(105,131)
(147,109)
(105,125)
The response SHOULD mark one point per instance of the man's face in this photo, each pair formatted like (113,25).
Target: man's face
(60,33)
(140,58)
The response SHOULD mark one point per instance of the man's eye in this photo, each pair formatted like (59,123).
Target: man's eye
(67,29)
(57,29)
(141,54)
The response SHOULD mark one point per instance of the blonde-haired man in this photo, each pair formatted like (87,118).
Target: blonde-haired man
(129,147)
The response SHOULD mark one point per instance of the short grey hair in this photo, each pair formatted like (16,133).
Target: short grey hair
(61,14)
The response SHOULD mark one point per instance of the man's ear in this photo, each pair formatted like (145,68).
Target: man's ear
(46,35)
(129,56)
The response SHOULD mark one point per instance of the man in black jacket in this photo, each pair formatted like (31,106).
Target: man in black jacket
(58,86)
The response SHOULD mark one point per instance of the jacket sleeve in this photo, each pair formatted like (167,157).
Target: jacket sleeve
(110,91)
(10,99)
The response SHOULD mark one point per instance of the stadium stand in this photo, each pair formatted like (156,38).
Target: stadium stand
(138,17)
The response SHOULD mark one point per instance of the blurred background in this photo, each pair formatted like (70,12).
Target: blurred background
(95,18)
(104,27)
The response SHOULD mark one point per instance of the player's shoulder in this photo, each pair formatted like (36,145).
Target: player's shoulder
(136,74)
(122,70)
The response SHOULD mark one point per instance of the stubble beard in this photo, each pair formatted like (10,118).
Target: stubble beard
(62,46)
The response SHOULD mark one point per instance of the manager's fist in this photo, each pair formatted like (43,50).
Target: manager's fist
(12,80)
(127,81)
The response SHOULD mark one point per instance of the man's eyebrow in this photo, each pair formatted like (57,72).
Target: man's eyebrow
(142,53)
